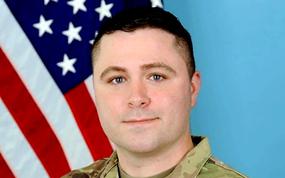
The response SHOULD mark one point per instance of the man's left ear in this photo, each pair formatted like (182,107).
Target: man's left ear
(195,87)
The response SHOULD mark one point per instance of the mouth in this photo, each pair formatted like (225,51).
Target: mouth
(140,120)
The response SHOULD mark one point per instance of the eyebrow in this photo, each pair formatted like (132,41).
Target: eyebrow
(158,65)
(110,69)
(143,67)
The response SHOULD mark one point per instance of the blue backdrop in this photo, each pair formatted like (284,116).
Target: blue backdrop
(240,51)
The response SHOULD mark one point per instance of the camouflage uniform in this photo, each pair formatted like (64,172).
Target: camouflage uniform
(198,163)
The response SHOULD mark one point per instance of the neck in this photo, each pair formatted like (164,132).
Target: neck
(152,163)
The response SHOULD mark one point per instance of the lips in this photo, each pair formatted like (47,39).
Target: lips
(140,120)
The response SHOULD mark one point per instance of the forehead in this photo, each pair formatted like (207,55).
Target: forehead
(145,45)
(151,37)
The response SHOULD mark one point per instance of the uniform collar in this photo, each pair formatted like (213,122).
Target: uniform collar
(111,169)
(194,160)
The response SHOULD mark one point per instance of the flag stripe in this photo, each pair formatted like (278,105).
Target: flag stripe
(86,117)
(43,89)
(89,85)
(5,169)
(16,150)
(31,121)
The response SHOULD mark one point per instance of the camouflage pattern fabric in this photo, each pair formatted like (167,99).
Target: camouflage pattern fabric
(198,163)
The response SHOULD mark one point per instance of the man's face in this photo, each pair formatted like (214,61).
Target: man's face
(143,93)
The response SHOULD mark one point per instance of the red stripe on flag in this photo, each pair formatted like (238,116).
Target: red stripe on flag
(4,168)
(30,120)
(85,113)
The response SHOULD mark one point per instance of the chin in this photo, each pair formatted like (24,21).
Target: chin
(139,147)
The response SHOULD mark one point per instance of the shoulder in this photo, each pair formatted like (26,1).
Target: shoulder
(92,170)
(216,169)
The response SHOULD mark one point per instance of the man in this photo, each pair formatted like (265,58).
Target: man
(145,88)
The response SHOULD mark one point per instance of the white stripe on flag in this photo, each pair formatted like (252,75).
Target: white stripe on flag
(16,150)
(89,85)
(42,87)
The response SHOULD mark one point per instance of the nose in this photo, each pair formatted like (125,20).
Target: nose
(138,96)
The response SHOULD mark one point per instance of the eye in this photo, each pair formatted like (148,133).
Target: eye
(156,77)
(117,80)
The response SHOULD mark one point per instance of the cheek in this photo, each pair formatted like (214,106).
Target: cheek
(108,103)
(173,102)
(108,109)
(174,108)
(177,95)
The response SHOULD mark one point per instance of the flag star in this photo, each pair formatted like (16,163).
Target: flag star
(43,26)
(67,65)
(47,1)
(92,41)
(156,3)
(77,5)
(72,33)
(104,10)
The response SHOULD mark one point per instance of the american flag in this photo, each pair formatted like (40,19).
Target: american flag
(48,121)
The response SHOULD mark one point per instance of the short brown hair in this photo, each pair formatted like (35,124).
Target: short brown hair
(138,18)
